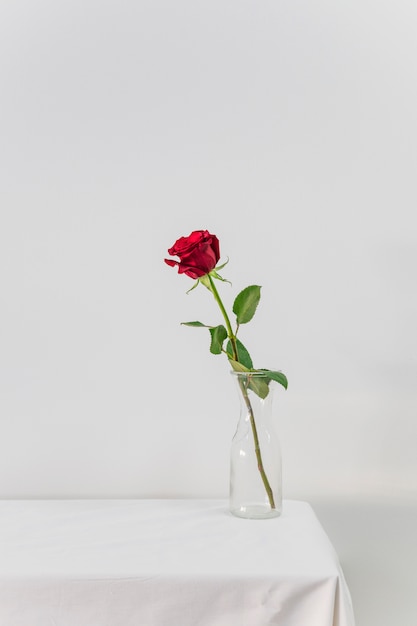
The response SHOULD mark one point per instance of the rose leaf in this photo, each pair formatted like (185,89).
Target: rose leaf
(279,377)
(245,304)
(242,353)
(218,335)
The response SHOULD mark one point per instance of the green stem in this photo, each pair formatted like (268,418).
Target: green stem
(232,338)
(257,446)
(230,334)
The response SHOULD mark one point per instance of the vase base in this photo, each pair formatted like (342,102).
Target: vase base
(255,511)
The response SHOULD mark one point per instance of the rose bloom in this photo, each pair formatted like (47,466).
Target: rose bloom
(198,253)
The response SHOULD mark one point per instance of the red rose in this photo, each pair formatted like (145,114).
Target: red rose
(198,253)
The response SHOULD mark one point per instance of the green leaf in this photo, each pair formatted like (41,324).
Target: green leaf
(279,377)
(256,384)
(218,335)
(242,353)
(259,386)
(195,324)
(238,367)
(245,304)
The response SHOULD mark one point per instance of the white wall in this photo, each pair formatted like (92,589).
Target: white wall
(286,128)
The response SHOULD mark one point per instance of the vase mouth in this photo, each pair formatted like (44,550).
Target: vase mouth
(256,374)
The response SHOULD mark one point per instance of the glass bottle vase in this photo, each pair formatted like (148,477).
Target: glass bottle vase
(255,460)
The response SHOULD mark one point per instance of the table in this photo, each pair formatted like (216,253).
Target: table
(166,563)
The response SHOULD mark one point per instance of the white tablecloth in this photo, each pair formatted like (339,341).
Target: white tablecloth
(166,563)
